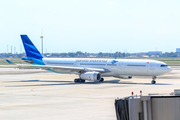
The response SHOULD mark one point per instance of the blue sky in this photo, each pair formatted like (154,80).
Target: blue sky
(91,25)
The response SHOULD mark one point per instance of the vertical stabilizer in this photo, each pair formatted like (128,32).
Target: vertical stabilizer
(31,50)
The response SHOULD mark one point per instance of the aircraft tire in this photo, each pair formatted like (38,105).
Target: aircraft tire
(82,81)
(102,80)
(79,81)
(75,80)
(153,82)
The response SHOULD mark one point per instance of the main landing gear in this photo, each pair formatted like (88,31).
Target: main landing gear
(79,81)
(154,80)
(83,81)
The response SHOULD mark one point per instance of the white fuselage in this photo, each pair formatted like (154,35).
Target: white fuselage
(117,67)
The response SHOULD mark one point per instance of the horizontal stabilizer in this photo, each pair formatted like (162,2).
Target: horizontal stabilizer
(9,61)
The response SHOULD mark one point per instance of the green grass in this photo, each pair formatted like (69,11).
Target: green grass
(172,62)
(173,65)
(14,60)
(8,67)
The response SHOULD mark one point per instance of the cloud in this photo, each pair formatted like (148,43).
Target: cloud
(110,3)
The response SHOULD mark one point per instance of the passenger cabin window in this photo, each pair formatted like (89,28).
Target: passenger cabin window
(163,65)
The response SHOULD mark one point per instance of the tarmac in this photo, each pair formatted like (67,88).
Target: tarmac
(34,94)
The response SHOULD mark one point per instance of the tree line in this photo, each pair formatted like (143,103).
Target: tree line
(80,54)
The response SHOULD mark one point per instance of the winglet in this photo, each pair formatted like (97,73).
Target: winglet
(9,61)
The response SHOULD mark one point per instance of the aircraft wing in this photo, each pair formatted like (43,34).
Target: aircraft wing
(77,69)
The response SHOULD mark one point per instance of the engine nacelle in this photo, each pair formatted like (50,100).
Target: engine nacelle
(93,76)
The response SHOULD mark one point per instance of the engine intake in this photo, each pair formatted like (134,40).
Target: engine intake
(93,76)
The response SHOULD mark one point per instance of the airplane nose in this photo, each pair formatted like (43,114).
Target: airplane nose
(169,69)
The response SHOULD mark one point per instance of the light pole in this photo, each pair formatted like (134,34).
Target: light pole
(41,41)
(41,44)
(7,49)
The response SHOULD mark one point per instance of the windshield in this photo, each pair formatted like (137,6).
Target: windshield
(164,65)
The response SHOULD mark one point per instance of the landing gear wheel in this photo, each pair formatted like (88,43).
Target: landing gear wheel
(153,82)
(79,81)
(82,81)
(76,80)
(102,79)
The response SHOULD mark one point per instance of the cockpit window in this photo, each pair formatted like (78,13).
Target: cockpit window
(164,66)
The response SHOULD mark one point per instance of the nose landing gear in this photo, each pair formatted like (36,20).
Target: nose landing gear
(154,80)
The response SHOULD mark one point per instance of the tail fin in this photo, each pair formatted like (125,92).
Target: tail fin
(31,50)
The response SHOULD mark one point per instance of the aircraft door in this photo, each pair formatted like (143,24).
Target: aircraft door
(152,66)
(120,65)
(76,64)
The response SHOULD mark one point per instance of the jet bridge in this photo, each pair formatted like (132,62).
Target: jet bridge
(150,107)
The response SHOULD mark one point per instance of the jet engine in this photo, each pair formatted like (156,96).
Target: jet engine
(93,76)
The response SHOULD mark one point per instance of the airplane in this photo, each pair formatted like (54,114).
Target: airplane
(92,69)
